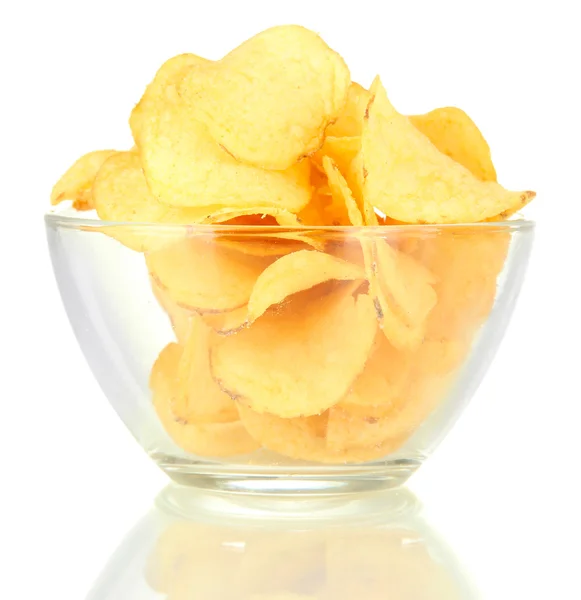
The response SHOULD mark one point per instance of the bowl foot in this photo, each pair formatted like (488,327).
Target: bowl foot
(292,480)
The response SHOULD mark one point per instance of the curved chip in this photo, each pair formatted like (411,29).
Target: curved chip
(185,167)
(350,120)
(178,316)
(121,194)
(167,77)
(227,322)
(203,276)
(295,273)
(384,380)
(77,183)
(198,397)
(206,439)
(404,295)
(410,180)
(341,149)
(305,438)
(301,359)
(341,192)
(456,135)
(467,264)
(283,84)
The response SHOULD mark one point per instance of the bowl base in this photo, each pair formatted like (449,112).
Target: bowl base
(288,481)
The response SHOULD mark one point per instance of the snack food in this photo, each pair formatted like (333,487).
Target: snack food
(302,325)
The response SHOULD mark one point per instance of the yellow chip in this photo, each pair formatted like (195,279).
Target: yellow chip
(467,264)
(342,150)
(269,101)
(301,438)
(300,360)
(185,167)
(203,276)
(178,316)
(455,134)
(410,180)
(121,194)
(77,183)
(404,294)
(198,397)
(355,177)
(227,322)
(167,77)
(350,120)
(206,439)
(341,192)
(384,380)
(295,273)
(304,438)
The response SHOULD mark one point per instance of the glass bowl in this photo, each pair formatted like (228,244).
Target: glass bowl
(262,359)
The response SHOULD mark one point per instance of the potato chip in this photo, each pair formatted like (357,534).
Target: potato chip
(167,77)
(410,180)
(295,273)
(300,360)
(205,439)
(205,277)
(404,293)
(249,103)
(77,183)
(455,134)
(350,120)
(227,322)
(178,316)
(342,150)
(355,177)
(341,192)
(301,438)
(121,194)
(198,397)
(384,380)
(185,167)
(467,264)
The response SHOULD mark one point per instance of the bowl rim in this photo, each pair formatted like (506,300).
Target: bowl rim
(63,221)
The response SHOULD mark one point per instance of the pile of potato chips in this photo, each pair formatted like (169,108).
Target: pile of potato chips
(328,345)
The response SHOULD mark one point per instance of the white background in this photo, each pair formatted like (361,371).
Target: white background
(503,486)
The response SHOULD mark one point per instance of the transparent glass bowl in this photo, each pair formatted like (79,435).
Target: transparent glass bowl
(288,360)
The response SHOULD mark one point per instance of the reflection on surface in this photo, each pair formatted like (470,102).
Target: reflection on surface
(208,547)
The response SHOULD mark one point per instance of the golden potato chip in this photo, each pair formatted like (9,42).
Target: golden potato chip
(384,380)
(205,439)
(455,134)
(355,177)
(201,275)
(404,294)
(341,191)
(300,360)
(295,273)
(77,183)
(178,316)
(301,438)
(167,77)
(283,84)
(304,438)
(342,150)
(467,264)
(185,167)
(350,120)
(227,322)
(410,180)
(198,397)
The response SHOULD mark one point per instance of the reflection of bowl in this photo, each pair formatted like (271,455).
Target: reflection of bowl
(186,551)
(293,360)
